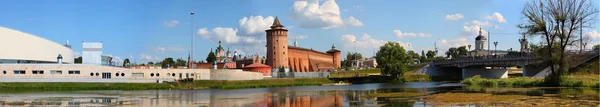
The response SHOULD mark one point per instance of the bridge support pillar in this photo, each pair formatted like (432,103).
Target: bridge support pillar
(484,73)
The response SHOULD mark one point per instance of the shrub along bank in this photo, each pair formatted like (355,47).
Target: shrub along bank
(568,81)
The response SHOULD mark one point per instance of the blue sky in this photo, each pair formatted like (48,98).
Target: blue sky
(150,30)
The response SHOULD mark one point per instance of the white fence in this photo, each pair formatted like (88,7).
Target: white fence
(300,74)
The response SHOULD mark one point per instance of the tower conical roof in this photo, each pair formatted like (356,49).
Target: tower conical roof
(276,23)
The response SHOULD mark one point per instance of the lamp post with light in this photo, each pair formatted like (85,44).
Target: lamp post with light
(495,47)
(192,34)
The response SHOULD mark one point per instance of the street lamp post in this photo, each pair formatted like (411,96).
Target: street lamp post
(469,47)
(355,60)
(489,39)
(192,34)
(495,47)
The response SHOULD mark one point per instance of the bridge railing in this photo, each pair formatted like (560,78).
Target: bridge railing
(487,58)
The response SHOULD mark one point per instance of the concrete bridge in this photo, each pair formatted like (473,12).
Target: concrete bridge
(496,66)
(488,66)
(490,61)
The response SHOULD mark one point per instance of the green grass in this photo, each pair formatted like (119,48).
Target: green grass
(568,81)
(411,77)
(363,72)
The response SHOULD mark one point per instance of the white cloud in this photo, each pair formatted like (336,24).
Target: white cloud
(401,34)
(364,42)
(445,43)
(471,29)
(255,25)
(496,17)
(301,36)
(310,14)
(158,50)
(168,49)
(172,23)
(456,16)
(148,58)
(354,22)
(249,40)
(593,34)
(177,49)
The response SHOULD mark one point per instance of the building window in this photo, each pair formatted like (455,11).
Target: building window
(192,74)
(55,72)
(117,74)
(74,72)
(173,74)
(168,74)
(152,74)
(4,72)
(38,71)
(122,74)
(283,47)
(157,74)
(19,72)
(106,75)
(97,74)
(92,74)
(284,53)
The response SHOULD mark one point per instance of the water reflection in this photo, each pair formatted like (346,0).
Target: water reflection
(306,96)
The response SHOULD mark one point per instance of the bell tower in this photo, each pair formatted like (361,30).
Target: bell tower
(277,44)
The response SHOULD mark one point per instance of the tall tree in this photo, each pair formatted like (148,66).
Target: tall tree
(350,57)
(423,57)
(414,57)
(431,55)
(462,51)
(452,52)
(126,62)
(180,62)
(393,58)
(211,57)
(168,61)
(78,60)
(150,63)
(597,46)
(557,21)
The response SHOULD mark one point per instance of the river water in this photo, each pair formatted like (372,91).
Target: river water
(301,96)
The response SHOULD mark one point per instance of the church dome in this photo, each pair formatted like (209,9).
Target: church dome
(480,37)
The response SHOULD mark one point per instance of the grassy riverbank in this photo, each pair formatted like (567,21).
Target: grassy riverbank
(409,76)
(198,84)
(568,81)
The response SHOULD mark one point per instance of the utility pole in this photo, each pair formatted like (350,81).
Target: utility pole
(581,35)
(192,33)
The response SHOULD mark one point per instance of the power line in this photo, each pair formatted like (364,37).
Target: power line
(505,33)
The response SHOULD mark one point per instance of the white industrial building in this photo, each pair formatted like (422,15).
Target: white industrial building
(20,47)
(92,53)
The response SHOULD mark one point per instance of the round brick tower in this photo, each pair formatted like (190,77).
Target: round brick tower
(277,44)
